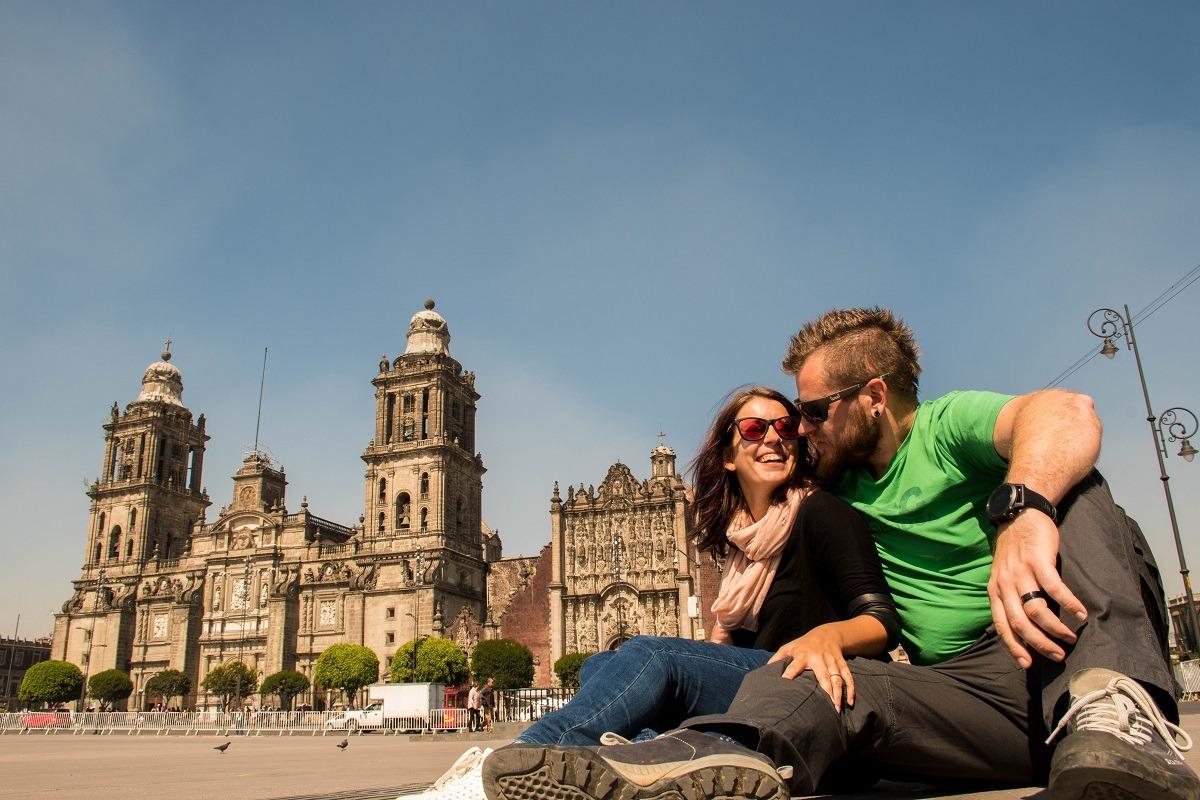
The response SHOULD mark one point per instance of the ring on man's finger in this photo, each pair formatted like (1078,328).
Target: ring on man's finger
(1036,594)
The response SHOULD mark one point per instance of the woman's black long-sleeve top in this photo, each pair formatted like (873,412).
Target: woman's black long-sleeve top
(828,571)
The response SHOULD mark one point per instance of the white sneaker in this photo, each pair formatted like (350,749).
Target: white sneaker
(463,781)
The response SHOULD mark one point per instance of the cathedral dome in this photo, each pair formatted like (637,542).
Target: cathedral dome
(163,382)
(427,332)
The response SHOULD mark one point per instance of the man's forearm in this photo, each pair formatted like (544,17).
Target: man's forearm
(1055,441)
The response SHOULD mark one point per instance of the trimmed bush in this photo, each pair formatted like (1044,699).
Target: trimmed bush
(231,680)
(508,661)
(109,686)
(285,684)
(438,661)
(348,667)
(51,682)
(169,683)
(567,669)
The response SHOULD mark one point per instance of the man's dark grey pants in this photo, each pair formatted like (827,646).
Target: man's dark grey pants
(978,716)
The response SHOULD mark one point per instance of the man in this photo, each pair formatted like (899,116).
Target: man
(1031,606)
(488,698)
(474,705)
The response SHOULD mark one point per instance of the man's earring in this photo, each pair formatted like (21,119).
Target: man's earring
(875,413)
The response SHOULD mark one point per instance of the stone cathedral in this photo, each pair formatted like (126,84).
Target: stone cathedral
(162,587)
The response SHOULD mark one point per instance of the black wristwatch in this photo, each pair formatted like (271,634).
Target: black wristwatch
(1011,499)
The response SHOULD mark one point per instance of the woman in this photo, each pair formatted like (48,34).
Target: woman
(802,581)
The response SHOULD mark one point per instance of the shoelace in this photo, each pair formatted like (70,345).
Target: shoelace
(610,738)
(1132,716)
(468,761)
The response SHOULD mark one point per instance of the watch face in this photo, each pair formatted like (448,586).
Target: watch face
(1000,504)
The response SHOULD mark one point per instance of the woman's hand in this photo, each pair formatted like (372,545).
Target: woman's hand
(821,650)
(720,635)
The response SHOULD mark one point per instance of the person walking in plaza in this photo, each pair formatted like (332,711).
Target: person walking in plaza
(801,581)
(474,708)
(1031,606)
(487,698)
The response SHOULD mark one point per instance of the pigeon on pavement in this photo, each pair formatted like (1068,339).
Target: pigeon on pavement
(223,747)
(343,744)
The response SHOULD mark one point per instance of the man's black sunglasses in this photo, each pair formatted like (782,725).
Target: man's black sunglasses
(817,411)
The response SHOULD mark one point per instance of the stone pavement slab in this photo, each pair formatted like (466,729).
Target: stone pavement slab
(373,767)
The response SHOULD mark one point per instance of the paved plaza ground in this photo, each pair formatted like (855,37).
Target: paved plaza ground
(373,767)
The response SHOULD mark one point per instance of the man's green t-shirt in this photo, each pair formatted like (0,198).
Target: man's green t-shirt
(928,515)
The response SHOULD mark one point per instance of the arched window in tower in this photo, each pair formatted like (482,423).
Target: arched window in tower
(116,459)
(424,485)
(132,521)
(424,519)
(99,549)
(114,543)
(389,419)
(160,470)
(425,414)
(458,522)
(381,522)
(192,480)
(403,511)
(408,429)
(100,527)
(382,491)
(409,403)
(129,547)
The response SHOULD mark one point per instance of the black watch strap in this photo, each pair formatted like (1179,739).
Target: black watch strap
(1010,499)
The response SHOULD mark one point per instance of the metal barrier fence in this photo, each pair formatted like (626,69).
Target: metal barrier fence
(530,705)
(250,723)
(513,705)
(1188,675)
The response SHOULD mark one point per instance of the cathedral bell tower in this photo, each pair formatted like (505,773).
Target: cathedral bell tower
(424,479)
(149,496)
(146,505)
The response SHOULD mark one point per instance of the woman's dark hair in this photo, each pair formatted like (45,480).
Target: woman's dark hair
(717,494)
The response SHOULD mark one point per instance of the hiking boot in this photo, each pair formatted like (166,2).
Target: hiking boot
(681,765)
(1120,747)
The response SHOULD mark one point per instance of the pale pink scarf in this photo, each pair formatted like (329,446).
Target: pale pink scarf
(750,568)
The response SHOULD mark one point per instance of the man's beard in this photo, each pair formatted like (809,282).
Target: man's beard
(857,442)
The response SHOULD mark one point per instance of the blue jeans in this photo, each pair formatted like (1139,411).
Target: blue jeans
(653,683)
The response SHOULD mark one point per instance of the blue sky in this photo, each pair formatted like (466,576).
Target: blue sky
(622,209)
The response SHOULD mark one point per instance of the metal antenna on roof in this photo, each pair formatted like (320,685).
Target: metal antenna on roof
(261,385)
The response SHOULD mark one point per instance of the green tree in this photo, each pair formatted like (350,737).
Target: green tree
(567,669)
(438,661)
(509,662)
(50,682)
(229,681)
(348,667)
(286,684)
(109,686)
(169,683)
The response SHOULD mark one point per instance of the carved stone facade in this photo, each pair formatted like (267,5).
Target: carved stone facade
(622,562)
(162,588)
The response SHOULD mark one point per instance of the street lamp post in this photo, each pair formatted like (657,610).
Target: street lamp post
(242,640)
(12,654)
(418,580)
(1174,424)
(87,654)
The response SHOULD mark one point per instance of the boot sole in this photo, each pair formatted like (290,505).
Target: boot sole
(1113,773)
(535,773)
